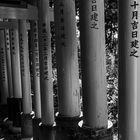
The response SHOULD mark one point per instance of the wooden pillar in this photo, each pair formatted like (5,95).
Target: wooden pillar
(3,66)
(36,77)
(67,58)
(35,68)
(9,74)
(15,58)
(8,58)
(92,40)
(129,68)
(25,70)
(46,85)
(17,88)
(25,78)
(67,68)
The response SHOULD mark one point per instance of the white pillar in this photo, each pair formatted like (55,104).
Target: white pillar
(9,67)
(67,58)
(35,68)
(47,103)
(129,68)
(92,38)
(25,69)
(3,66)
(15,58)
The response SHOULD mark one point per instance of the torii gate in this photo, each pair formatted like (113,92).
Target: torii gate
(92,41)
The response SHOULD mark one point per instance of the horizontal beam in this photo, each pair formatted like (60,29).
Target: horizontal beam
(31,12)
(8,25)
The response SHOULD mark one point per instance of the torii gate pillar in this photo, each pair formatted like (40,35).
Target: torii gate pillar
(129,69)
(92,39)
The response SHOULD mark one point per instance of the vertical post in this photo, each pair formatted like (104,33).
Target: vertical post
(46,85)
(4,78)
(17,89)
(67,58)
(92,38)
(67,64)
(3,73)
(8,58)
(36,77)
(129,67)
(9,74)
(25,78)
(35,68)
(45,64)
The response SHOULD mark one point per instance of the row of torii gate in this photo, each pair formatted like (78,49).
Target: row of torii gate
(15,70)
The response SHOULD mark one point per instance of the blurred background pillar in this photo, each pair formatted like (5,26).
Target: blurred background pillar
(4,78)
(26,82)
(17,88)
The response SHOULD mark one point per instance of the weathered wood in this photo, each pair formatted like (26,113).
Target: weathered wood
(31,12)
(92,40)
(67,58)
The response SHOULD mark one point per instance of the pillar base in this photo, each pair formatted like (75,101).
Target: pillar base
(15,130)
(67,121)
(26,125)
(67,128)
(17,109)
(36,122)
(92,134)
(46,132)
(3,111)
(10,108)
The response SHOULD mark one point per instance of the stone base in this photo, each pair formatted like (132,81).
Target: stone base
(92,134)
(67,128)
(26,125)
(36,123)
(17,109)
(47,132)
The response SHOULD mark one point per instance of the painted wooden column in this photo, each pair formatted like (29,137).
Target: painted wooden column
(47,103)
(15,57)
(17,88)
(8,58)
(92,39)
(9,74)
(36,77)
(25,70)
(46,83)
(34,42)
(26,81)
(129,68)
(67,68)
(3,66)
(36,68)
(67,58)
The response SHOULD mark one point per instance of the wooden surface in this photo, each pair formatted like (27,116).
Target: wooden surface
(31,12)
